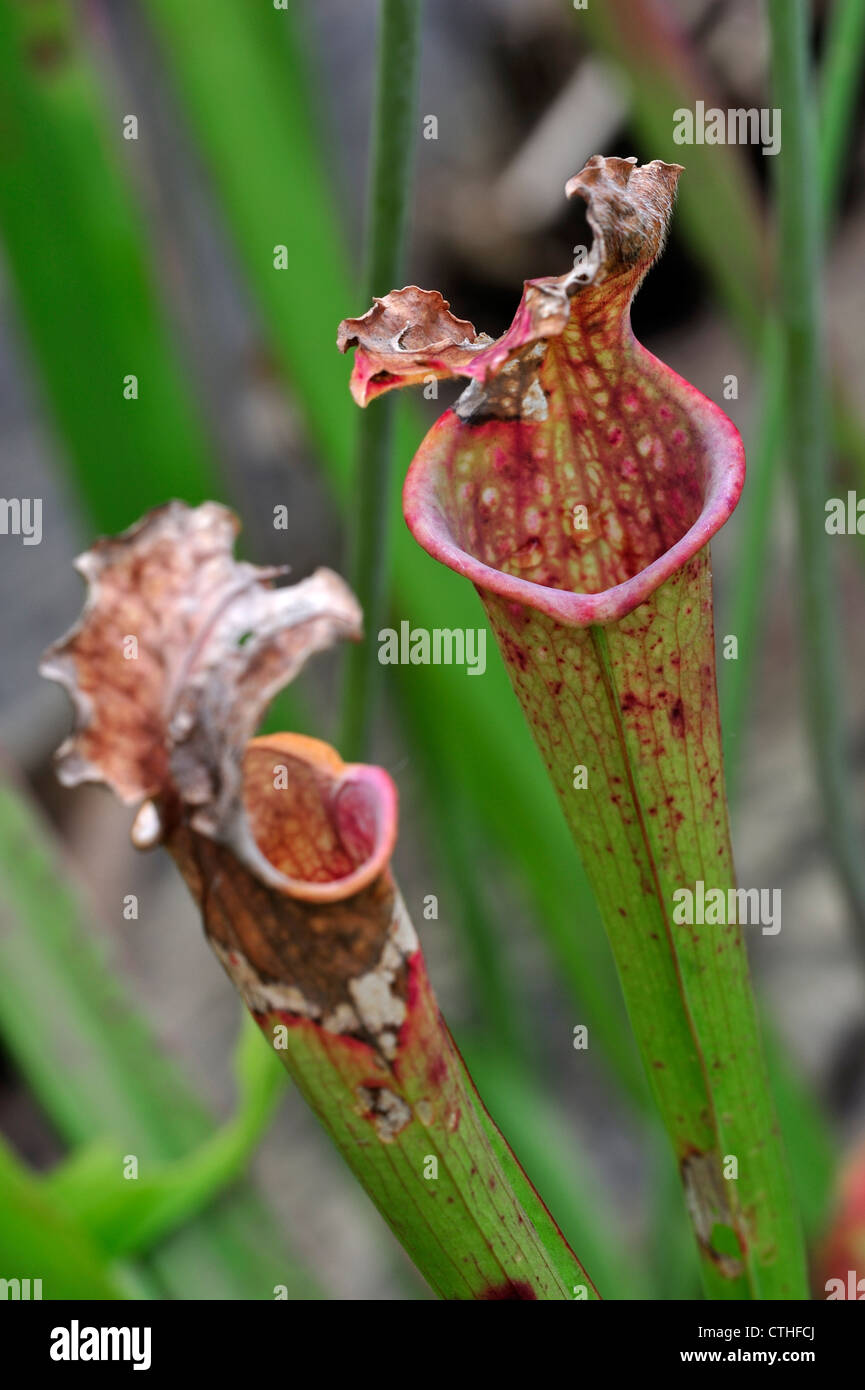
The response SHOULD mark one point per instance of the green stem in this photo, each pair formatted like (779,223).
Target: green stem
(392,145)
(839,88)
(800,286)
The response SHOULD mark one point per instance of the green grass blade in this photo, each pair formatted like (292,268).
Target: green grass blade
(841,65)
(393,140)
(840,78)
(807,414)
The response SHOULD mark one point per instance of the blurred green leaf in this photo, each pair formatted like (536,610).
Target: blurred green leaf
(39,1239)
(77,254)
(803,322)
(128,1213)
(98,1072)
(718,203)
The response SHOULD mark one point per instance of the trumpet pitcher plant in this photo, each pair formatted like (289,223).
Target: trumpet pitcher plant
(286,850)
(576,483)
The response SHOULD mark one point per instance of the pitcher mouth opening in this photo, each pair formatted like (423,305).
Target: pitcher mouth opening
(489,506)
(321,830)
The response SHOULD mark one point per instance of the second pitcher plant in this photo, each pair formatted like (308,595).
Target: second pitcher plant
(576,483)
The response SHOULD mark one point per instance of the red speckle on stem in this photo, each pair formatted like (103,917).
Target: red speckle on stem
(510,1289)
(677,719)
(438,1071)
